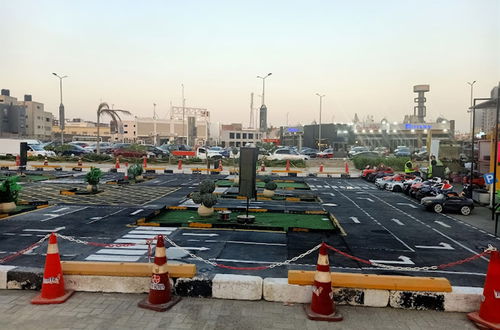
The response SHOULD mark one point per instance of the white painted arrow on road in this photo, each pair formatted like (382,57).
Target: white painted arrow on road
(441,246)
(330,204)
(194,248)
(354,219)
(367,198)
(46,230)
(404,261)
(408,204)
(194,234)
(398,222)
(442,224)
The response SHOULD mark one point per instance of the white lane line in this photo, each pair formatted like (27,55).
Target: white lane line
(104,257)
(46,230)
(25,234)
(129,240)
(196,234)
(243,242)
(141,236)
(155,228)
(60,210)
(136,212)
(441,246)
(403,260)
(367,198)
(354,219)
(123,252)
(398,222)
(332,194)
(242,261)
(52,216)
(143,232)
(135,247)
(408,204)
(94,219)
(442,224)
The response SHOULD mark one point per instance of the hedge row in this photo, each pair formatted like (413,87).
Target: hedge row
(397,163)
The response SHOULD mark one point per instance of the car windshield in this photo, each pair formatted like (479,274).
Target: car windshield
(37,147)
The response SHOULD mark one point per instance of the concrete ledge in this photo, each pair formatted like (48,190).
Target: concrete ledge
(3,275)
(123,269)
(194,287)
(25,278)
(369,281)
(278,289)
(463,299)
(92,283)
(417,300)
(241,287)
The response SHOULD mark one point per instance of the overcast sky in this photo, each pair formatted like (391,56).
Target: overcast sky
(364,55)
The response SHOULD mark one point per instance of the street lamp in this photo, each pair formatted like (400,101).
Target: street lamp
(471,84)
(264,85)
(61,107)
(320,109)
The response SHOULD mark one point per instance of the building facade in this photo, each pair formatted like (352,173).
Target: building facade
(39,122)
(234,135)
(75,128)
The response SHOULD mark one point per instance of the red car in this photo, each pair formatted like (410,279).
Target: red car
(129,153)
(327,153)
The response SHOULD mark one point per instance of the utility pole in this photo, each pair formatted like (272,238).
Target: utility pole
(471,84)
(251,111)
(184,115)
(154,124)
(320,110)
(61,107)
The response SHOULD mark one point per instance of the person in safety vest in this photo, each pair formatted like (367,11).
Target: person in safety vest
(432,163)
(409,167)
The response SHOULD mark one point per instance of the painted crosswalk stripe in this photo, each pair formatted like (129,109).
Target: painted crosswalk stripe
(123,252)
(151,236)
(155,228)
(135,247)
(104,257)
(130,240)
(143,232)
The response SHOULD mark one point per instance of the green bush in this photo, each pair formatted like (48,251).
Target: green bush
(93,176)
(396,163)
(209,200)
(266,179)
(207,187)
(205,196)
(135,171)
(196,197)
(96,158)
(271,186)
(282,163)
(9,190)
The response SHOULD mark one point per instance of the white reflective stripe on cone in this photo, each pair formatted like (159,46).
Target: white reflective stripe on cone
(160,252)
(323,259)
(159,269)
(323,277)
(52,249)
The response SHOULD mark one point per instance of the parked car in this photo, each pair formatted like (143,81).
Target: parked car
(327,153)
(309,152)
(283,154)
(210,153)
(366,154)
(355,150)
(70,150)
(402,152)
(104,147)
(450,201)
(128,152)
(156,152)
(382,151)
(38,150)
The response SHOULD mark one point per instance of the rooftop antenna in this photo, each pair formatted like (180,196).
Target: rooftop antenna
(251,111)
(154,111)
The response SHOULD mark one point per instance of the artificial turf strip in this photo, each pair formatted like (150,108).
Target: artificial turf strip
(260,184)
(268,219)
(28,178)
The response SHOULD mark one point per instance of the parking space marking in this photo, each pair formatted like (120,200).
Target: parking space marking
(94,219)
(441,223)
(131,252)
(398,222)
(403,260)
(354,219)
(105,257)
(441,246)
(136,212)
(408,204)
(53,216)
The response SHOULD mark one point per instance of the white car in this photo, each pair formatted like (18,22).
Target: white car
(284,154)
(210,153)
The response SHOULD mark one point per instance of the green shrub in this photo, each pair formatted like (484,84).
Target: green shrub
(209,200)
(9,190)
(266,179)
(93,176)
(271,185)
(207,187)
(96,158)
(135,171)
(196,197)
(282,163)
(396,163)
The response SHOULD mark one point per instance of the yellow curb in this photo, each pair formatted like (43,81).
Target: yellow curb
(337,223)
(200,225)
(127,269)
(380,282)
(177,208)
(66,192)
(315,212)
(154,168)
(292,199)
(285,171)
(257,210)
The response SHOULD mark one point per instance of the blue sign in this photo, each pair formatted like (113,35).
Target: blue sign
(292,129)
(415,126)
(488,178)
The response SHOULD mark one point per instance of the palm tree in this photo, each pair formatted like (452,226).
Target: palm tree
(104,109)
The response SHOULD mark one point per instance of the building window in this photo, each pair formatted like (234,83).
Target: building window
(125,125)
(125,132)
(238,144)
(231,144)
(238,135)
(250,135)
(244,135)
(231,135)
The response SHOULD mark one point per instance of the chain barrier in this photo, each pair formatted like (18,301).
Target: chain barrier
(25,250)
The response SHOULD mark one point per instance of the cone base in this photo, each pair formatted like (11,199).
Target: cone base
(159,307)
(481,323)
(334,317)
(39,300)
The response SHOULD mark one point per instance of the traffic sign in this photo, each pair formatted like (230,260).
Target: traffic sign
(488,178)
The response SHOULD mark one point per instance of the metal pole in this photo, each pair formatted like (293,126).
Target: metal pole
(495,160)
(263,89)
(320,111)
(62,130)
(473,113)
(183,114)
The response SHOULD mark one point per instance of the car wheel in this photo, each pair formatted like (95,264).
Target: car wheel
(465,210)
(438,208)
(397,189)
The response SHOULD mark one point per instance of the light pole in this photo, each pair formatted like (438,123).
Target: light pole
(320,109)
(184,115)
(154,124)
(264,85)
(471,84)
(61,107)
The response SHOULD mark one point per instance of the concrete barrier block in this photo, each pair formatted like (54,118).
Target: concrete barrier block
(3,275)
(25,278)
(241,287)
(348,296)
(463,299)
(417,300)
(278,289)
(91,283)
(194,287)
(376,298)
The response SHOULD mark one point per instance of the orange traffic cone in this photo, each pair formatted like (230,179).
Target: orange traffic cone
(125,176)
(179,164)
(346,168)
(79,161)
(46,161)
(160,297)
(220,165)
(288,165)
(117,164)
(144,161)
(321,167)
(53,291)
(322,307)
(489,312)
(18,160)
(262,167)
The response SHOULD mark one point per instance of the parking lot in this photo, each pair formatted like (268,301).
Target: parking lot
(379,226)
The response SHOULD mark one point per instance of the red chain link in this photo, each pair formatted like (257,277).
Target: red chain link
(459,262)
(242,268)
(23,251)
(347,255)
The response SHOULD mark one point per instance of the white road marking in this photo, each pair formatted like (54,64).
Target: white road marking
(135,247)
(148,228)
(196,234)
(123,252)
(408,204)
(60,210)
(332,194)
(367,198)
(403,261)
(55,230)
(441,246)
(52,216)
(334,187)
(194,248)
(330,204)
(241,261)
(398,222)
(94,219)
(442,224)
(143,232)
(104,257)
(130,240)
(136,212)
(243,242)
(150,236)
(354,219)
